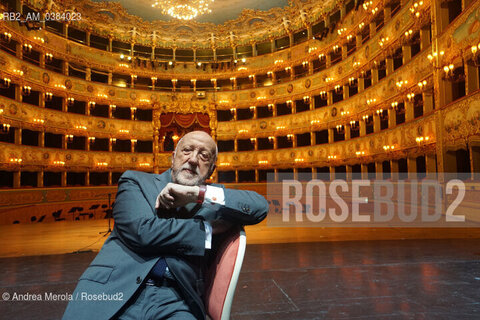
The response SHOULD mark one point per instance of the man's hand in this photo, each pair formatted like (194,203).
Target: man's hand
(176,195)
(220,226)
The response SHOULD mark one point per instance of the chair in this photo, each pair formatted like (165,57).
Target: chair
(222,274)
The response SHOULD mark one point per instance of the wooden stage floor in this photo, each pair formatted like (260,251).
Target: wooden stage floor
(74,236)
(375,279)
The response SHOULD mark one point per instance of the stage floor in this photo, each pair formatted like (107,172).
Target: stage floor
(381,279)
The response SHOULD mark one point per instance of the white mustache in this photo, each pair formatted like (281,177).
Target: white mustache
(196,170)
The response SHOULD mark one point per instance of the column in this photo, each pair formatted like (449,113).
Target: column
(389,65)
(412,167)
(349,172)
(16,179)
(428,103)
(110,178)
(63,178)
(87,178)
(409,111)
(330,135)
(374,76)
(376,122)
(378,170)
(17,135)
(394,169)
(406,54)
(254,49)
(363,128)
(424,38)
(364,171)
(273,47)
(392,118)
(87,38)
(40,174)
(290,39)
(431,165)
(88,74)
(471,78)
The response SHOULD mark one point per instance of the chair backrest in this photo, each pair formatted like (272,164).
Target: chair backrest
(222,275)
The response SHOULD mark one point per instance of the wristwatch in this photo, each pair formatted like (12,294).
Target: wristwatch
(201,193)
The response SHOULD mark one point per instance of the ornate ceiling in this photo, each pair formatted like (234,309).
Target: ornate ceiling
(238,22)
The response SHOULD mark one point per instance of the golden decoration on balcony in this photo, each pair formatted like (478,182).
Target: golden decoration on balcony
(144,164)
(124,131)
(102,164)
(263,162)
(18,72)
(58,163)
(16,160)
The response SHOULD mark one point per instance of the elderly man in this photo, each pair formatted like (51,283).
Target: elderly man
(151,265)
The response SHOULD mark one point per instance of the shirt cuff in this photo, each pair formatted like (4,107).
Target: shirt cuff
(208,235)
(215,195)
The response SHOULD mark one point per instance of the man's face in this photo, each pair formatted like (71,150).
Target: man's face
(193,160)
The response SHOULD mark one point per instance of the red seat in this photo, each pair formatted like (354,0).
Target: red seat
(222,274)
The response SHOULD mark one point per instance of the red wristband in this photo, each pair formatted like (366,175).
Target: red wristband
(201,193)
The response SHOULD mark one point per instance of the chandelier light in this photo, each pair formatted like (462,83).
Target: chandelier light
(183,9)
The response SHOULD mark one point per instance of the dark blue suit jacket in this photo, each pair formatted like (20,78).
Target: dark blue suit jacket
(142,234)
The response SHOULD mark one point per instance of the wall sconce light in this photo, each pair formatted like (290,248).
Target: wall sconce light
(91,140)
(415,8)
(27,47)
(6,82)
(422,84)
(475,55)
(321,56)
(154,80)
(233,111)
(113,140)
(422,139)
(336,48)
(289,103)
(48,96)
(26,90)
(70,101)
(305,64)
(332,157)
(290,137)
(48,57)
(288,69)
(382,114)
(16,161)
(252,108)
(5,127)
(271,139)
(113,107)
(91,105)
(133,111)
(401,83)
(252,140)
(340,128)
(306,99)
(367,119)
(270,74)
(388,147)
(7,36)
(371,101)
(134,141)
(352,82)
(410,96)
(360,153)
(451,75)
(344,113)
(323,95)
(338,89)
(383,41)
(353,125)
(69,137)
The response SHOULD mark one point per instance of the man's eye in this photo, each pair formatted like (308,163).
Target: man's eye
(204,156)
(186,151)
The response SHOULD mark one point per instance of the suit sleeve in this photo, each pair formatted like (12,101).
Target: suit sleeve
(145,233)
(241,207)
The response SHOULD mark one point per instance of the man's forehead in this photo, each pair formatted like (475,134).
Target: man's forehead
(199,140)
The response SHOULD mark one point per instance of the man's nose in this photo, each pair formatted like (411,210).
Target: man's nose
(193,158)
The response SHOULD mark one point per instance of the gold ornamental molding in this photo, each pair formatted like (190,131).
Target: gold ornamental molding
(251,24)
(23,115)
(385,92)
(461,121)
(36,158)
(359,150)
